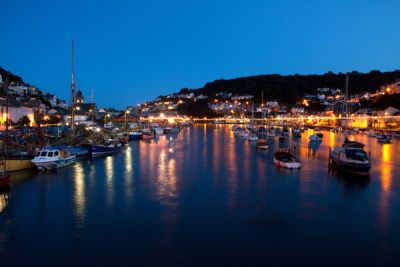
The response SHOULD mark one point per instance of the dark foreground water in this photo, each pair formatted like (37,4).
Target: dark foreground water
(205,197)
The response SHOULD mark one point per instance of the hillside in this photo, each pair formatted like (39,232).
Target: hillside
(11,77)
(289,89)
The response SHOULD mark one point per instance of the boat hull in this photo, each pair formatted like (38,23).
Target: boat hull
(289,165)
(362,169)
(18,164)
(100,150)
(54,164)
(134,137)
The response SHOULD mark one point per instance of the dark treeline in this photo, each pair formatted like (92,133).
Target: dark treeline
(290,88)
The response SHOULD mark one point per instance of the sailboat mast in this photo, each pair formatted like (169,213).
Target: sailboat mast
(72,89)
(92,106)
(347,93)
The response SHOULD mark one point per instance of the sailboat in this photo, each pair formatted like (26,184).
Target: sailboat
(253,136)
(262,142)
(350,157)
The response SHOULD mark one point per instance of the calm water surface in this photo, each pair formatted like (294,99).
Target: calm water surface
(205,197)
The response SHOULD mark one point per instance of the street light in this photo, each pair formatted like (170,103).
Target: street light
(126,112)
(105,118)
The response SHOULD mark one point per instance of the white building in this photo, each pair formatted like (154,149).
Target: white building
(15,113)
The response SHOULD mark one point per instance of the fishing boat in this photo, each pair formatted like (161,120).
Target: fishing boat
(99,150)
(135,135)
(285,159)
(350,159)
(51,158)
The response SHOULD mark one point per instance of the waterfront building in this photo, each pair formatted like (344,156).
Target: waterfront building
(15,112)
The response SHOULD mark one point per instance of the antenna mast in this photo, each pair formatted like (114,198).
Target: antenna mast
(72,89)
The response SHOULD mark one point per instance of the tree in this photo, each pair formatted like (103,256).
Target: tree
(54,119)
(24,121)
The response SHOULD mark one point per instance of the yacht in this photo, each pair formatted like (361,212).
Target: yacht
(350,159)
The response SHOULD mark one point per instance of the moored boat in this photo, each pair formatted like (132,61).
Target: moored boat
(52,158)
(262,144)
(18,162)
(105,149)
(157,129)
(315,138)
(285,159)
(385,139)
(350,159)
(147,136)
(253,137)
(135,135)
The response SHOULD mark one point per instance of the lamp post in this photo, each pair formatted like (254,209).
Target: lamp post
(105,118)
(126,112)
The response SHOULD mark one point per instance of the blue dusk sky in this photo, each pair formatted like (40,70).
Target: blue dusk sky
(133,51)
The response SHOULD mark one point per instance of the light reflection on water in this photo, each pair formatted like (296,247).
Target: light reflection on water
(109,170)
(79,193)
(207,194)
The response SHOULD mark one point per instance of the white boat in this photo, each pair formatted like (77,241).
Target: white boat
(262,144)
(51,158)
(244,134)
(253,137)
(286,159)
(237,131)
(158,130)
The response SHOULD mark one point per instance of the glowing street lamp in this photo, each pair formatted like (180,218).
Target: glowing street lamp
(126,112)
(105,118)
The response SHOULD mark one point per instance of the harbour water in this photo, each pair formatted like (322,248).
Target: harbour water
(205,197)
